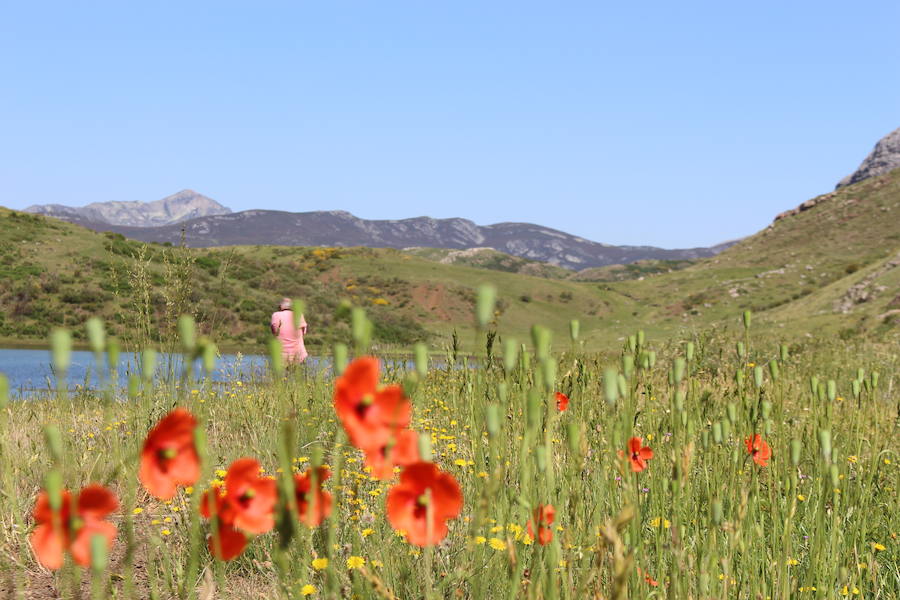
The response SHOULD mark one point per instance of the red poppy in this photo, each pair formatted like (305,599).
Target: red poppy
(368,412)
(650,581)
(544,515)
(562,401)
(225,542)
(169,457)
(424,490)
(70,529)
(312,505)
(400,450)
(249,499)
(637,455)
(759,450)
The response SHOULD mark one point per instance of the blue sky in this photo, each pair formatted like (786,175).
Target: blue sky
(671,124)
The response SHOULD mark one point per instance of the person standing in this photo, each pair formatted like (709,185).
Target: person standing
(292,347)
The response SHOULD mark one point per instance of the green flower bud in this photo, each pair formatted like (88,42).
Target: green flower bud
(425,447)
(717,432)
(187,331)
(484,305)
(276,360)
(421,353)
(825,444)
(574,328)
(339,358)
(96,335)
(678,369)
(510,355)
(747,318)
(61,346)
(795,452)
(784,352)
(610,385)
(832,390)
(540,338)
(540,454)
(774,371)
(689,351)
(492,418)
(758,376)
(148,363)
(99,558)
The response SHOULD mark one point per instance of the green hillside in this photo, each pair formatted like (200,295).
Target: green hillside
(830,268)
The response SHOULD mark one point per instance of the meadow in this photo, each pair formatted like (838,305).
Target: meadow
(550,446)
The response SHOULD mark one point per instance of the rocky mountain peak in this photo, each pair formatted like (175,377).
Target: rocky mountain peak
(883,158)
(181,206)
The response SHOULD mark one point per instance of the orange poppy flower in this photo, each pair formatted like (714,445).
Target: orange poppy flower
(169,457)
(310,515)
(249,499)
(225,542)
(368,412)
(637,455)
(423,491)
(74,528)
(544,515)
(650,581)
(759,450)
(402,449)
(562,402)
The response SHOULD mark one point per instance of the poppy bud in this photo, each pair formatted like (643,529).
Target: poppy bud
(739,378)
(835,475)
(134,386)
(632,343)
(640,338)
(96,335)
(717,511)
(726,429)
(766,409)
(622,385)
(741,352)
(549,371)
(484,305)
(679,400)
(758,376)
(689,351)
(187,330)
(574,328)
(360,327)
(795,452)
(148,363)
(113,350)
(53,483)
(832,390)
(678,370)
(860,373)
(855,387)
(276,361)
(628,365)
(99,555)
(731,409)
(297,310)
(747,318)
(574,437)
(813,385)
(773,370)
(651,358)
(540,454)
(421,353)
(825,444)
(540,339)
(874,379)
(502,392)
(339,358)
(61,346)
(784,352)
(54,443)
(492,418)
(610,386)
(208,354)
(717,432)
(425,447)
(510,355)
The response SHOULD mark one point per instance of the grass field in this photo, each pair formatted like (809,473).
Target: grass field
(817,519)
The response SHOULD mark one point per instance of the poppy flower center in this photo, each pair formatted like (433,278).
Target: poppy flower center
(76,523)
(423,500)
(167,453)
(635,455)
(247,496)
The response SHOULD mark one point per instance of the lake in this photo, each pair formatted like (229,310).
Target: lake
(30,370)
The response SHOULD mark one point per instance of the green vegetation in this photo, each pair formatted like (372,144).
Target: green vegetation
(793,274)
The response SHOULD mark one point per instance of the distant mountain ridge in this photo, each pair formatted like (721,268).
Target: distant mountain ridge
(340,228)
(186,204)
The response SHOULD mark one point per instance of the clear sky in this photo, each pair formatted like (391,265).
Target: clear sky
(674,124)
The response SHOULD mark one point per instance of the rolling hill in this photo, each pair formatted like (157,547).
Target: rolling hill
(829,268)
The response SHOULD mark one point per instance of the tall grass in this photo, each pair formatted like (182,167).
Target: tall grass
(702,521)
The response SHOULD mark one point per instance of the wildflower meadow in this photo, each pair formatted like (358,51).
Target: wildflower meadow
(724,464)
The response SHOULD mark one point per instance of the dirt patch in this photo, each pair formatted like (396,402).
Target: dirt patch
(435,299)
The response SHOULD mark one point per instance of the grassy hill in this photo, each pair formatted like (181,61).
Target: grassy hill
(826,269)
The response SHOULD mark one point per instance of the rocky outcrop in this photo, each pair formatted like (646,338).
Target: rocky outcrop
(883,158)
(186,204)
(867,288)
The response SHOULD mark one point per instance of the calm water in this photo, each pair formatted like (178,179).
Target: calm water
(30,370)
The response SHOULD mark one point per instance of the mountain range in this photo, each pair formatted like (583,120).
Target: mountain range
(202,222)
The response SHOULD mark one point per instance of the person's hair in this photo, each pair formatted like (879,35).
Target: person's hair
(285,304)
